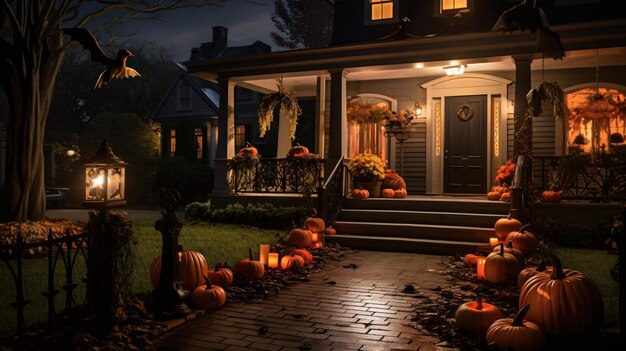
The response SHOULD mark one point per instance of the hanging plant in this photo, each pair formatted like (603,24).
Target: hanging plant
(284,101)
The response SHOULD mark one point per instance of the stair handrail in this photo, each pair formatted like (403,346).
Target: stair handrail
(517,191)
(331,194)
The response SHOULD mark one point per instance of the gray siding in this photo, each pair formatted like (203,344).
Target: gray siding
(414,172)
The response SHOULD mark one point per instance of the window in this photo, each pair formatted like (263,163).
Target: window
(240,137)
(184,92)
(381,9)
(447,5)
(172,143)
(366,131)
(197,132)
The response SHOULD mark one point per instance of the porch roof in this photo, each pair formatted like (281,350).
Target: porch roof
(580,36)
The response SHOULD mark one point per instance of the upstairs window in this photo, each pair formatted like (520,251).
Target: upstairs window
(447,5)
(183,92)
(381,10)
(240,137)
(199,141)
(172,143)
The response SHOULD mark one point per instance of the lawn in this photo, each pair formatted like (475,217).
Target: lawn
(217,242)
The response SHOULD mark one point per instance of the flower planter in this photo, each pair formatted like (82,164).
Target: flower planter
(372,187)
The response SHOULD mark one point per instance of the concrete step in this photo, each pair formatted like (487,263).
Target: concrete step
(420,217)
(415,231)
(397,244)
(427,203)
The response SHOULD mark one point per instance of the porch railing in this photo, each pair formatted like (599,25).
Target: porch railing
(298,175)
(331,194)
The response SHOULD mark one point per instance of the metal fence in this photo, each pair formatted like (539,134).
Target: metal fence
(277,175)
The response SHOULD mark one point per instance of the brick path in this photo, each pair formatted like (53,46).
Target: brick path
(364,310)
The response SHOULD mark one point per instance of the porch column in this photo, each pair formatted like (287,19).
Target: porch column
(226,135)
(213,143)
(338,139)
(205,141)
(522,86)
(320,115)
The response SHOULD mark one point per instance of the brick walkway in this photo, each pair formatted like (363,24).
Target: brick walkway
(364,310)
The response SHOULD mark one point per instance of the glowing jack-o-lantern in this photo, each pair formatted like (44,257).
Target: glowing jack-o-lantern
(105,179)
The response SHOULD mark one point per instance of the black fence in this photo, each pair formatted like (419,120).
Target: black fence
(298,175)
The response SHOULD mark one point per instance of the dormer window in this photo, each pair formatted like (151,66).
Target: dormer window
(381,10)
(448,5)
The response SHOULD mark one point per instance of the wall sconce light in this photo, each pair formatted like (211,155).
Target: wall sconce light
(455,70)
(418,109)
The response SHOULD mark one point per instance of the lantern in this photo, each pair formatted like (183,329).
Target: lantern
(272,260)
(105,179)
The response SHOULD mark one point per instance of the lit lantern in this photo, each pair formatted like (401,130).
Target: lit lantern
(105,179)
(272,260)
(314,237)
(493,241)
(263,252)
(480,268)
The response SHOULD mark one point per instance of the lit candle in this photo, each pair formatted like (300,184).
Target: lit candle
(180,256)
(314,237)
(265,249)
(493,241)
(272,260)
(480,268)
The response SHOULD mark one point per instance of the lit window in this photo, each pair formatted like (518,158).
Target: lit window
(184,102)
(381,9)
(240,137)
(453,5)
(199,142)
(172,143)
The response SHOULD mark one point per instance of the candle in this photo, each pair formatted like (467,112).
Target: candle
(180,256)
(272,260)
(314,237)
(493,241)
(265,249)
(480,268)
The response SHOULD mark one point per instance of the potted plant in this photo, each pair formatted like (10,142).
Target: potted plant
(368,172)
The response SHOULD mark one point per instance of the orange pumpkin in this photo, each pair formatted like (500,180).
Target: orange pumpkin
(471,259)
(291,262)
(192,268)
(530,272)
(249,151)
(387,193)
(551,196)
(360,193)
(330,231)
(298,151)
(476,316)
(393,181)
(300,238)
(315,224)
(306,255)
(249,269)
(208,296)
(493,196)
(221,276)
(523,240)
(500,189)
(400,193)
(516,333)
(506,225)
(508,248)
(565,302)
(501,267)
(505,197)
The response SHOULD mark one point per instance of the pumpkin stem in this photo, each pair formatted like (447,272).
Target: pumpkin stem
(518,321)
(208,282)
(509,245)
(501,249)
(479,302)
(557,268)
(248,144)
(523,228)
(250,253)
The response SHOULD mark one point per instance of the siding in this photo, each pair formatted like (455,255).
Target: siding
(414,172)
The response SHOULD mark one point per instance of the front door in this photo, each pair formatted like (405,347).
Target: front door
(465,152)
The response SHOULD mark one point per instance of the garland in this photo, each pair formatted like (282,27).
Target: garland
(285,101)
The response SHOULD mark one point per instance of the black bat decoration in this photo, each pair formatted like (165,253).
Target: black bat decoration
(115,68)
(528,16)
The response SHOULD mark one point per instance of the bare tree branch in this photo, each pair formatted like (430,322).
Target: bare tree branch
(8,11)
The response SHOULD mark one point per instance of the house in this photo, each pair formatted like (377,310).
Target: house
(470,83)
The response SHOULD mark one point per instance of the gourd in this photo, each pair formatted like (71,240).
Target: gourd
(360,193)
(523,240)
(476,316)
(551,196)
(501,267)
(248,269)
(400,193)
(300,238)
(506,225)
(471,259)
(493,196)
(516,333)
(208,296)
(330,231)
(192,268)
(249,151)
(387,193)
(298,151)
(505,197)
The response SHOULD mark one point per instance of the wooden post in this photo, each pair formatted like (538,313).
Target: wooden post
(337,143)
(522,87)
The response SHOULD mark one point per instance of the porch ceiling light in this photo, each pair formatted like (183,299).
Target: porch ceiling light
(454,70)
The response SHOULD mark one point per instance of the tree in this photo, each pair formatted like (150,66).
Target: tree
(303,23)
(32,48)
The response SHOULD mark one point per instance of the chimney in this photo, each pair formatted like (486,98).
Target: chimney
(220,39)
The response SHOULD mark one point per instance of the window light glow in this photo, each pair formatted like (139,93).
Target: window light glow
(453,5)
(381,9)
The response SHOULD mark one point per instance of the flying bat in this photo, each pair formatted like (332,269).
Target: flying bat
(115,68)
(528,16)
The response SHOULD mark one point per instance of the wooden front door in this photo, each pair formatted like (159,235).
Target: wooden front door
(465,150)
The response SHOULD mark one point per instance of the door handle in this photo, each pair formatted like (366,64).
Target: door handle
(445,153)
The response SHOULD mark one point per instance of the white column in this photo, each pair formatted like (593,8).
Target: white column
(320,115)
(284,139)
(338,140)
(213,144)
(226,136)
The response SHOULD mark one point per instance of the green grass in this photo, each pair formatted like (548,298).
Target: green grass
(217,242)
(595,264)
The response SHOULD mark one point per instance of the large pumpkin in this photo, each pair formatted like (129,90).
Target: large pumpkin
(315,224)
(504,226)
(501,267)
(192,268)
(508,248)
(400,193)
(221,276)
(306,255)
(208,296)
(476,316)
(516,333)
(551,196)
(565,302)
(249,269)
(530,272)
(300,238)
(523,240)
(249,151)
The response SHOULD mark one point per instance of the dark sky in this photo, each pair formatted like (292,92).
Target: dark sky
(181,30)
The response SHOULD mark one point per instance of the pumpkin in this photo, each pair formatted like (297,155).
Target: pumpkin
(400,193)
(387,193)
(208,296)
(516,333)
(530,272)
(476,316)
(499,189)
(192,268)
(506,225)
(221,276)
(493,196)
(249,151)
(315,224)
(330,231)
(551,196)
(523,240)
(248,269)
(515,252)
(298,151)
(505,197)
(565,302)
(501,267)
(300,238)
(471,259)
(393,181)
(291,261)
(360,193)
(306,255)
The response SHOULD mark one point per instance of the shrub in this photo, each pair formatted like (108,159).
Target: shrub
(583,235)
(262,215)
(200,211)
(192,179)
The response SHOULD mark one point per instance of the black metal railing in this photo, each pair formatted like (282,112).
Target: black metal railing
(578,176)
(517,188)
(64,248)
(298,175)
(331,194)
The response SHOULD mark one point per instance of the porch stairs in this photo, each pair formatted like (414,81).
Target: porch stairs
(436,225)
